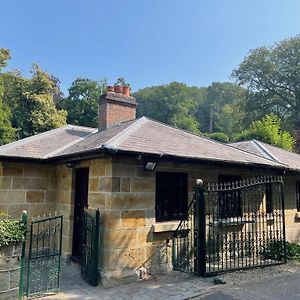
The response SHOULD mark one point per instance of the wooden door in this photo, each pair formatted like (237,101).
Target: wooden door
(81,202)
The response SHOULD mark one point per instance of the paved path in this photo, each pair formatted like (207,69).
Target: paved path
(279,282)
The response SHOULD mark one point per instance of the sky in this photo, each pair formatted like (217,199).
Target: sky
(148,42)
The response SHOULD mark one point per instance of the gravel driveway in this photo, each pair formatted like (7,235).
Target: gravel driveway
(277,282)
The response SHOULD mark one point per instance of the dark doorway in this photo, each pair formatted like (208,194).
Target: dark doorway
(81,202)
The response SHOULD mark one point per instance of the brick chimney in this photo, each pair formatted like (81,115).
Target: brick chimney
(116,106)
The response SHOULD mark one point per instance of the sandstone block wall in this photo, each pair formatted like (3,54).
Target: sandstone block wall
(130,236)
(27,186)
(292,223)
(10,271)
(131,239)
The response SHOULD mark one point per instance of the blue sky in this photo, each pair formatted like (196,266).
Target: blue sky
(149,42)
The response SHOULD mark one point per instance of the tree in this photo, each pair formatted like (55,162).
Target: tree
(218,136)
(4,57)
(220,112)
(175,104)
(82,101)
(272,77)
(7,132)
(32,101)
(268,130)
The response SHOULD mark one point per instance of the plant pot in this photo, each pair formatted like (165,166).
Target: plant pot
(126,90)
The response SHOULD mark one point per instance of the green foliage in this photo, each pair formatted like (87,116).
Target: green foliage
(4,57)
(122,82)
(219,136)
(82,102)
(7,132)
(275,250)
(212,109)
(221,110)
(32,101)
(272,77)
(268,130)
(174,104)
(11,231)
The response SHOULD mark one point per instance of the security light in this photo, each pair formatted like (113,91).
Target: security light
(70,164)
(150,166)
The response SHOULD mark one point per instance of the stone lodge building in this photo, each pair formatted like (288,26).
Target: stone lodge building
(138,172)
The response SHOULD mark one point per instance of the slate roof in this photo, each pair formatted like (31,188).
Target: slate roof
(46,144)
(139,136)
(291,159)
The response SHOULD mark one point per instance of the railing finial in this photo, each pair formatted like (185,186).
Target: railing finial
(199,182)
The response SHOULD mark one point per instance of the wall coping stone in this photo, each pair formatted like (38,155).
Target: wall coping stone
(165,226)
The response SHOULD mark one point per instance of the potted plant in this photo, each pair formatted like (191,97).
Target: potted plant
(11,238)
(122,87)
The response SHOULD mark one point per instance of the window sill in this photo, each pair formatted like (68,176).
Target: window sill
(165,226)
(232,222)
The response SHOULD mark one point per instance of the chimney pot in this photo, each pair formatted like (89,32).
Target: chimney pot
(110,88)
(126,90)
(116,107)
(118,89)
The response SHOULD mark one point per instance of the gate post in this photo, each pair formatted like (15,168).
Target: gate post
(24,221)
(283,221)
(200,232)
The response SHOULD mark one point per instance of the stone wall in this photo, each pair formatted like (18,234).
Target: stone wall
(10,271)
(99,171)
(27,186)
(132,241)
(292,223)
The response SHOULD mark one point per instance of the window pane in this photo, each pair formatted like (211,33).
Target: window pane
(269,199)
(171,196)
(229,201)
(298,195)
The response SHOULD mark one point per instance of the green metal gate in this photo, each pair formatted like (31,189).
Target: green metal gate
(90,247)
(232,225)
(41,259)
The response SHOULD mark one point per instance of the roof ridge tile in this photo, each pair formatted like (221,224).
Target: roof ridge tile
(115,141)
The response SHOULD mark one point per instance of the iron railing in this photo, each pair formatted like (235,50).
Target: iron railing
(232,226)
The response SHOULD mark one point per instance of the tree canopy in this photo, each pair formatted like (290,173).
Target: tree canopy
(82,102)
(7,132)
(174,104)
(268,130)
(272,77)
(31,101)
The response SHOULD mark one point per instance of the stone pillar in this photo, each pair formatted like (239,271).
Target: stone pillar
(10,271)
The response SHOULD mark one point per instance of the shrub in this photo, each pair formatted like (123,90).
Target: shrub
(219,136)
(275,250)
(11,231)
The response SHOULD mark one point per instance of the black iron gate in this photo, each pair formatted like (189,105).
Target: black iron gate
(232,226)
(40,272)
(90,247)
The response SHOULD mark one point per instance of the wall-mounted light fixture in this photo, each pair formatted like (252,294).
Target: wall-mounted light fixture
(150,165)
(70,164)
